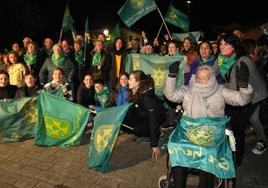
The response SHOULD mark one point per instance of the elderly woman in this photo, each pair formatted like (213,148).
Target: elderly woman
(203,98)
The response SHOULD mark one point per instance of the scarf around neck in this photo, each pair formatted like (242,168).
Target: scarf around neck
(103,97)
(79,56)
(57,60)
(96,59)
(203,62)
(198,94)
(31,58)
(225,63)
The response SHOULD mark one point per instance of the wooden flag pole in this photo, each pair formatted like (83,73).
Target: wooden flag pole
(60,36)
(159,30)
(164,23)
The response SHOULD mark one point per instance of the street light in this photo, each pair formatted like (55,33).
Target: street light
(106,32)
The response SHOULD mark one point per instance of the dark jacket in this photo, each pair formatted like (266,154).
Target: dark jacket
(85,96)
(8,92)
(27,92)
(46,71)
(103,72)
(147,115)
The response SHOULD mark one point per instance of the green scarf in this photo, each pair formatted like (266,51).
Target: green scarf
(103,97)
(57,60)
(96,59)
(225,63)
(31,58)
(79,56)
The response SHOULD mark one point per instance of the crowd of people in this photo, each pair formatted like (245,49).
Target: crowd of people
(227,76)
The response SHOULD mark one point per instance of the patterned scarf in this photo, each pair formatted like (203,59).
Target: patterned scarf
(103,97)
(96,59)
(225,63)
(57,60)
(30,59)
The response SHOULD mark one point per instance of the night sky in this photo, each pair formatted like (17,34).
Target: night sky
(42,18)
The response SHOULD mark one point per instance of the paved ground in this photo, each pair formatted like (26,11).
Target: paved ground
(25,165)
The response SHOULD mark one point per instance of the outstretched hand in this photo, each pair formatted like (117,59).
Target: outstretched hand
(155,152)
(242,75)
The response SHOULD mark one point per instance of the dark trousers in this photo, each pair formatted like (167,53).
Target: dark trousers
(239,119)
(179,174)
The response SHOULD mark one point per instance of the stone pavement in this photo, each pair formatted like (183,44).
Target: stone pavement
(25,165)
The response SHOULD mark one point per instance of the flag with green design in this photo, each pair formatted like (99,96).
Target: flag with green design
(59,122)
(133,10)
(17,119)
(107,125)
(177,18)
(115,33)
(201,143)
(157,67)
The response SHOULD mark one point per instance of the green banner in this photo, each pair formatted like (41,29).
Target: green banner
(59,122)
(133,10)
(17,119)
(177,18)
(201,143)
(115,33)
(107,125)
(195,35)
(67,22)
(156,66)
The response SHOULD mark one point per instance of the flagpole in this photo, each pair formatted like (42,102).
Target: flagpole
(164,23)
(60,36)
(159,30)
(85,46)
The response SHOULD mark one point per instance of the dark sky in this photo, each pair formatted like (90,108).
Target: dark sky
(42,18)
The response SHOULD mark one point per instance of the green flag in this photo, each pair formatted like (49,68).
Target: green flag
(201,143)
(107,125)
(133,10)
(17,119)
(67,22)
(59,122)
(157,67)
(195,35)
(115,33)
(177,18)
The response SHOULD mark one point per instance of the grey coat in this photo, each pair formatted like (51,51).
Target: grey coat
(215,103)
(255,80)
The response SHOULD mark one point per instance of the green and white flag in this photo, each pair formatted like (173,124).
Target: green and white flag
(201,143)
(17,119)
(133,10)
(177,18)
(157,67)
(59,121)
(107,125)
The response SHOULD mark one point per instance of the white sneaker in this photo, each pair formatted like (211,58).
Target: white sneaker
(259,148)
